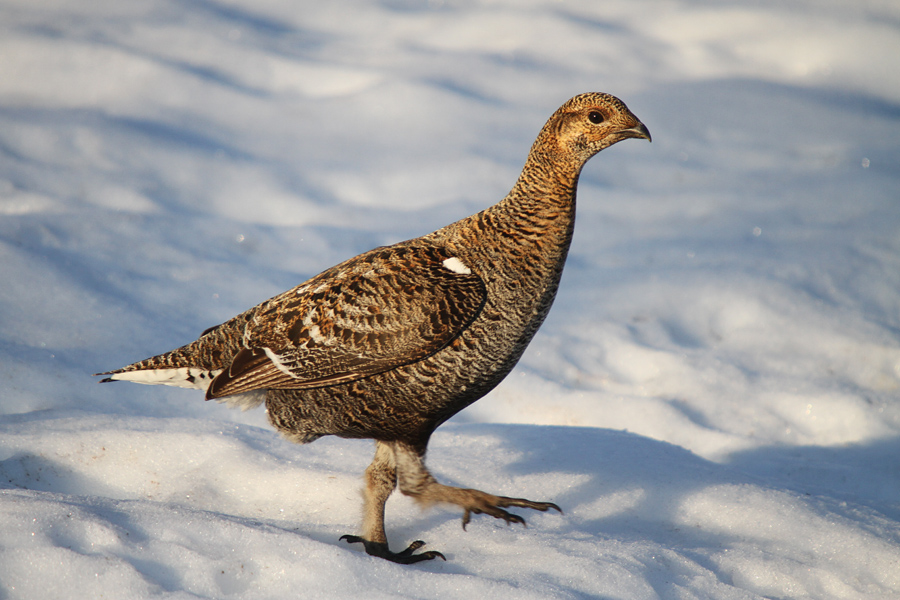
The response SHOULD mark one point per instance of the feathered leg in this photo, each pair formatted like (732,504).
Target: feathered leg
(414,480)
(381,479)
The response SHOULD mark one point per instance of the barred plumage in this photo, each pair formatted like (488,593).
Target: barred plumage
(390,344)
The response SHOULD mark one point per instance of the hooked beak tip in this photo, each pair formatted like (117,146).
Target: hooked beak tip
(641,131)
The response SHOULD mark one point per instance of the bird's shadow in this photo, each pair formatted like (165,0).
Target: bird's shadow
(631,487)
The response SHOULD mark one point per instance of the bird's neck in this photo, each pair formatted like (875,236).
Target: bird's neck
(540,208)
(531,228)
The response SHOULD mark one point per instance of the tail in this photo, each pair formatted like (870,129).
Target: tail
(192,366)
(184,377)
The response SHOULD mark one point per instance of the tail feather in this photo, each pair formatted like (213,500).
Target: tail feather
(184,377)
(193,366)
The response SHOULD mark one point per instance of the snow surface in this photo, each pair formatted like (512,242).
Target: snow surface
(713,400)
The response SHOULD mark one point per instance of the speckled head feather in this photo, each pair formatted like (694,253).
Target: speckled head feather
(390,344)
(587,124)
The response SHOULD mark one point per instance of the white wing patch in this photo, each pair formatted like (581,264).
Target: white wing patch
(457,266)
(184,377)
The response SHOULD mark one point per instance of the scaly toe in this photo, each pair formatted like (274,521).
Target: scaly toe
(404,557)
(495,509)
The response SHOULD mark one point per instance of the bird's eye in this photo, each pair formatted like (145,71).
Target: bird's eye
(595,117)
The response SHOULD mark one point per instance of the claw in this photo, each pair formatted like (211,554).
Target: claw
(495,510)
(511,518)
(412,548)
(404,557)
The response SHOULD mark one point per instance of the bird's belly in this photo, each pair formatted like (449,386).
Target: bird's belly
(409,402)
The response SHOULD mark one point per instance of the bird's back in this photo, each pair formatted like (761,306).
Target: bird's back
(393,342)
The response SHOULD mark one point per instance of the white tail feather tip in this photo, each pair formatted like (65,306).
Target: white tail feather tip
(183,377)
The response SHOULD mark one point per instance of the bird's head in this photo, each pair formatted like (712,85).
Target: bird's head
(587,124)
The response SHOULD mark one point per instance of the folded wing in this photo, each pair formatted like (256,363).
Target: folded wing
(387,308)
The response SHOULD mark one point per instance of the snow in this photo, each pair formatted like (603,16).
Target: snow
(713,400)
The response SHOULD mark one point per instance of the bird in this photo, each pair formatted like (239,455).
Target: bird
(390,344)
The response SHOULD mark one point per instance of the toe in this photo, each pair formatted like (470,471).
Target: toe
(404,557)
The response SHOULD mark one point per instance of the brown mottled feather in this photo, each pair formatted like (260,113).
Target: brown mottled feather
(340,325)
(392,343)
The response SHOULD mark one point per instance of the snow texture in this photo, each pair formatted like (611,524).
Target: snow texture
(713,400)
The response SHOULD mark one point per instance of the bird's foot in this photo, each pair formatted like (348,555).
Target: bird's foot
(404,557)
(489,504)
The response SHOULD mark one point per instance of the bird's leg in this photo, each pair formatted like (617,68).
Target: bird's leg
(414,480)
(381,479)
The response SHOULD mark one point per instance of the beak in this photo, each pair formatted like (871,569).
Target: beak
(638,131)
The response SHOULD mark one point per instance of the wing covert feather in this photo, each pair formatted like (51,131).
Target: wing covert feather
(387,308)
